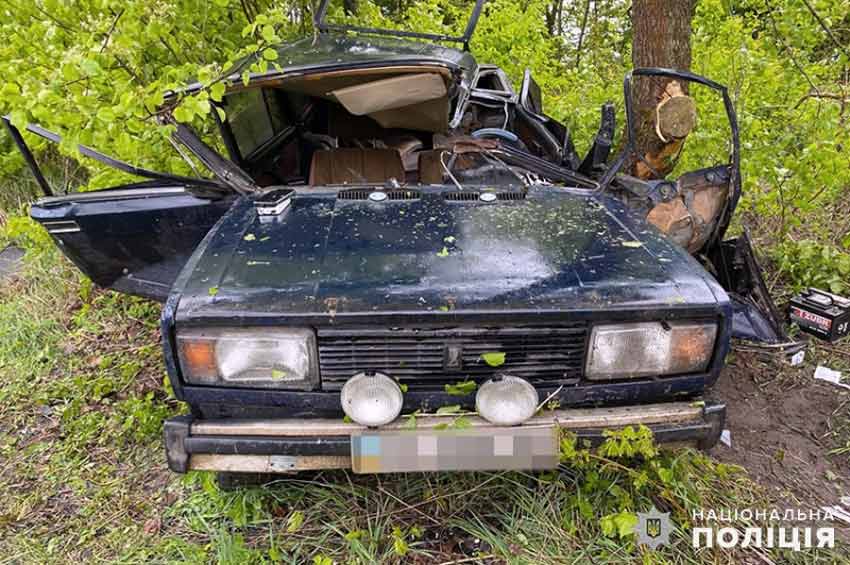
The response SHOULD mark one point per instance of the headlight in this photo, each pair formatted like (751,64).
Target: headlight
(249,357)
(371,400)
(622,351)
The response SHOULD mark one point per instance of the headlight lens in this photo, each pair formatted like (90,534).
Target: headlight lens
(249,357)
(371,400)
(622,351)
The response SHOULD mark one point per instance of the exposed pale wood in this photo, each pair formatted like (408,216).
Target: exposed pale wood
(661,38)
(675,117)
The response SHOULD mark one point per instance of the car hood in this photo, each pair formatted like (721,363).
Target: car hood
(326,258)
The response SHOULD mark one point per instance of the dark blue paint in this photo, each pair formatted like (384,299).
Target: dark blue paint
(334,51)
(558,250)
(560,254)
(135,244)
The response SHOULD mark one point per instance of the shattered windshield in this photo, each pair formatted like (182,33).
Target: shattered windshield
(453,22)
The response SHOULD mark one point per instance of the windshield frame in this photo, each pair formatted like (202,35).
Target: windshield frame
(323,27)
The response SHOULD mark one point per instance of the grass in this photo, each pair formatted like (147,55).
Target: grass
(84,479)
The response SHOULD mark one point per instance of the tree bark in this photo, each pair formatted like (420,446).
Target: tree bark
(664,113)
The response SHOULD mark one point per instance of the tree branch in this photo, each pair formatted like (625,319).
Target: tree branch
(111,29)
(581,33)
(825,27)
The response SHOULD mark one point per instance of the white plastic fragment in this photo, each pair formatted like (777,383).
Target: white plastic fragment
(830,375)
(798,358)
(726,438)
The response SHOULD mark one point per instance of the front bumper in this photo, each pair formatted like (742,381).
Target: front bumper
(291,445)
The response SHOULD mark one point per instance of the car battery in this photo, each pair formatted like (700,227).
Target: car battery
(821,314)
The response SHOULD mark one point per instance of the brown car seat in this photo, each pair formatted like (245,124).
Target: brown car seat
(352,166)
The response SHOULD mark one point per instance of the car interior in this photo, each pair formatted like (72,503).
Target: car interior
(383,126)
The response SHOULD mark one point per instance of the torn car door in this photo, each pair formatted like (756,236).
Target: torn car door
(135,237)
(695,209)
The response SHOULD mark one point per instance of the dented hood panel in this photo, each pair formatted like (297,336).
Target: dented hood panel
(325,258)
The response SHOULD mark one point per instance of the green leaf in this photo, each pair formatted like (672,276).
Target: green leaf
(277,374)
(182,114)
(269,54)
(246,77)
(212,291)
(10,89)
(294,522)
(217,91)
(90,67)
(446,410)
(249,237)
(410,423)
(444,252)
(625,522)
(494,358)
(106,114)
(400,547)
(461,388)
(619,525)
(19,119)
(461,423)
(268,34)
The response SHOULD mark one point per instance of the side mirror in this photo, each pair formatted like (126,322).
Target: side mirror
(530,97)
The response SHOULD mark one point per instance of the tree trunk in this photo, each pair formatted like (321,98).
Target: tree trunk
(664,113)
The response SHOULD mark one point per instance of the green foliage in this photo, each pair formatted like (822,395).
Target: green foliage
(461,388)
(620,525)
(494,358)
(810,263)
(26,233)
(98,71)
(776,61)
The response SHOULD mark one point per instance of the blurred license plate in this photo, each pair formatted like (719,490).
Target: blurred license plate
(490,449)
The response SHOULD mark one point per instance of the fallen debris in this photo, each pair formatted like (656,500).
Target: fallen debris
(10,261)
(830,375)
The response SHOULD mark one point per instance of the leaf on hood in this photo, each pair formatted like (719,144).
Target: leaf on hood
(494,358)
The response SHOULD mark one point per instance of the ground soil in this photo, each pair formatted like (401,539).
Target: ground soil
(783,425)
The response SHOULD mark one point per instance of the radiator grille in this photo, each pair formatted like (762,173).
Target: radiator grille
(416,357)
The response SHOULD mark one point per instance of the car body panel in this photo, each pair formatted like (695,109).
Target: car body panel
(555,250)
(133,240)
(338,52)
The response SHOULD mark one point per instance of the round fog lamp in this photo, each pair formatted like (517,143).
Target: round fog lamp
(506,401)
(371,400)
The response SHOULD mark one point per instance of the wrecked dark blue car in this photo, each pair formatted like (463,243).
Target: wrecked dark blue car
(401,263)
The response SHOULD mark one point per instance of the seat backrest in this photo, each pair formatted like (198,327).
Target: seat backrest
(349,166)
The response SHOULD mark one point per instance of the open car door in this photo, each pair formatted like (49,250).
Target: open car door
(695,209)
(134,238)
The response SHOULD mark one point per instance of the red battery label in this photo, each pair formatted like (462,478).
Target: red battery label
(820,321)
